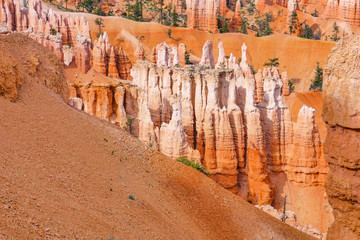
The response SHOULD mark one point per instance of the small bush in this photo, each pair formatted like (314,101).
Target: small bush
(53,31)
(195,165)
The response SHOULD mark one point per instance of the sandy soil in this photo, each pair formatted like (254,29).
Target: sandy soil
(67,175)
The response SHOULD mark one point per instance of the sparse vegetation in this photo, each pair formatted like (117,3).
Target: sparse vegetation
(129,123)
(100,23)
(175,18)
(195,165)
(187,57)
(291,86)
(315,13)
(53,31)
(244,25)
(318,81)
(307,32)
(251,9)
(293,22)
(224,28)
(336,31)
(263,24)
(273,62)
(169,32)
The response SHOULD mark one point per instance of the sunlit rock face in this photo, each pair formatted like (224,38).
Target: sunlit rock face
(221,115)
(341,114)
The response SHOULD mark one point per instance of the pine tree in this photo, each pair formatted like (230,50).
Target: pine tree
(174,18)
(336,31)
(307,32)
(315,14)
(187,57)
(244,25)
(273,62)
(318,81)
(292,22)
(100,23)
(169,33)
(224,27)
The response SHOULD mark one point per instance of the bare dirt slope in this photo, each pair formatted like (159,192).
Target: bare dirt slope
(68,175)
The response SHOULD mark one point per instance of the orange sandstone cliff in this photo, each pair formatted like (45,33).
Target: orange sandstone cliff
(341,114)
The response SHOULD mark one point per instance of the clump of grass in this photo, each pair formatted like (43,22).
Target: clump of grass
(193,164)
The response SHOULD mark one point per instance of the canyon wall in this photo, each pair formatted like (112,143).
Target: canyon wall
(341,112)
(221,115)
(202,15)
(343,10)
(70,32)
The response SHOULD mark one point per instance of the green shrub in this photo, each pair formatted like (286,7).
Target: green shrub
(53,31)
(195,165)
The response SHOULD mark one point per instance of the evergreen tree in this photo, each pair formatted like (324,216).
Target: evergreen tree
(169,33)
(187,57)
(315,14)
(273,62)
(292,22)
(100,23)
(336,31)
(244,25)
(263,24)
(156,6)
(174,18)
(318,81)
(134,11)
(307,32)
(224,27)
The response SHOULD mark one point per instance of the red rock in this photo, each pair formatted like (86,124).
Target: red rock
(341,114)
(237,20)
(285,87)
(123,65)
(82,53)
(139,53)
(112,70)
(202,14)
(182,51)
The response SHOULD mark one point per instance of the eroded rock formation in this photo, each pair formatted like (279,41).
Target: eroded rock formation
(343,10)
(341,114)
(202,15)
(231,121)
(110,60)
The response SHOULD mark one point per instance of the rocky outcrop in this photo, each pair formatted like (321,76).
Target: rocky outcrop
(49,28)
(231,121)
(343,10)
(285,88)
(202,15)
(341,114)
(292,6)
(237,20)
(182,53)
(207,58)
(108,60)
(42,20)
(82,53)
(139,53)
(222,61)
